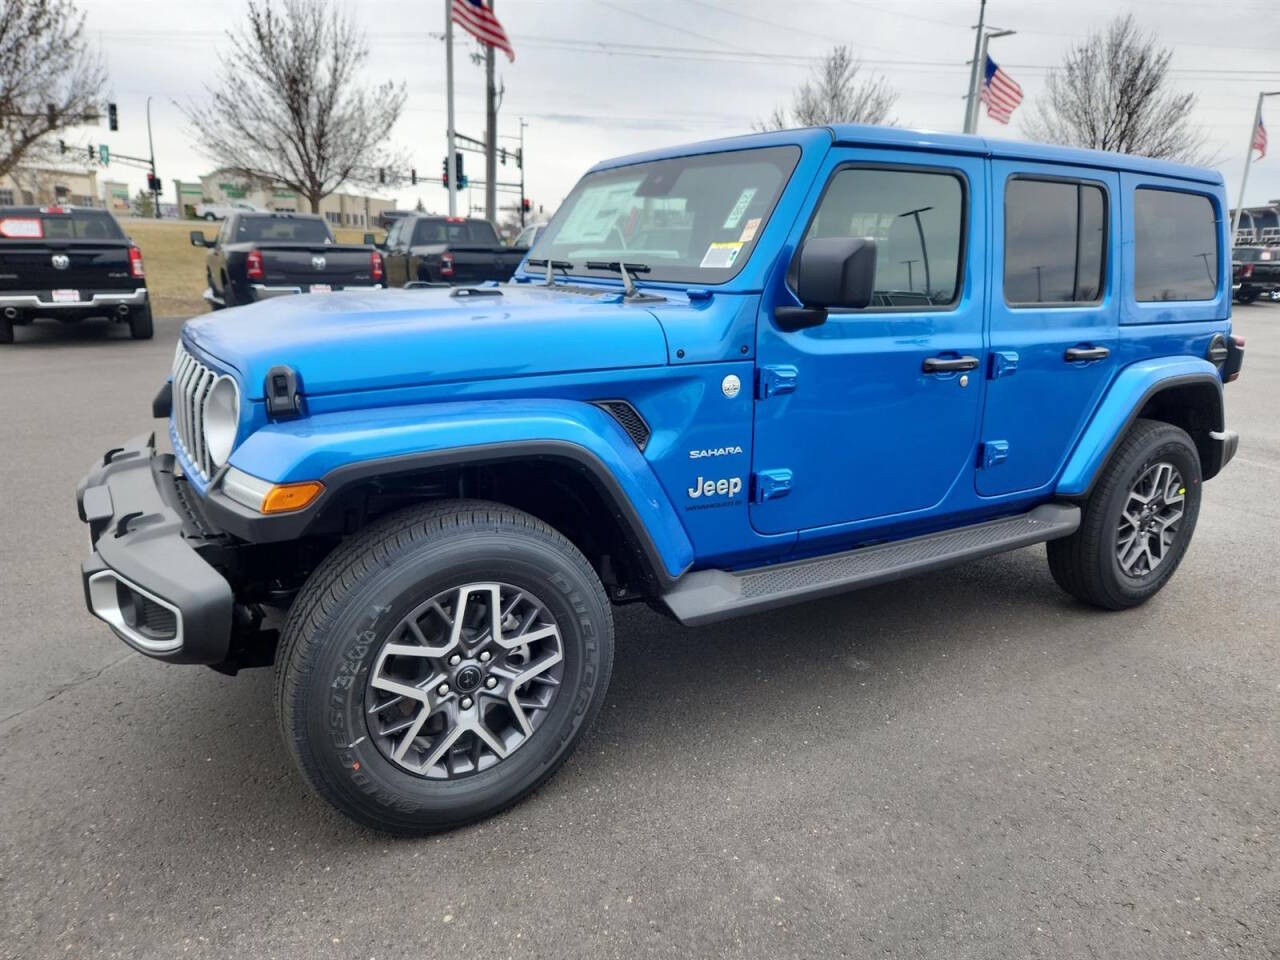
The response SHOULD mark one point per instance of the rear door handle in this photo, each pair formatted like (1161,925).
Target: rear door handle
(949,364)
(1077,354)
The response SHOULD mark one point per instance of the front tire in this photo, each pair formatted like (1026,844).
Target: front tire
(6,330)
(442,664)
(1137,523)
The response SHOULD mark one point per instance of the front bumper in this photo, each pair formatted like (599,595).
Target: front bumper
(145,577)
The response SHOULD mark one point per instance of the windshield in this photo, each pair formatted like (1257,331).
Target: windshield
(270,229)
(688,219)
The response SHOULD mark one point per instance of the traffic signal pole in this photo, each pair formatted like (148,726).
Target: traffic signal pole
(155,181)
(490,137)
(448,68)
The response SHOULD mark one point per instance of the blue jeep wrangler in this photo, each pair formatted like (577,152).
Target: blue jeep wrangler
(732,376)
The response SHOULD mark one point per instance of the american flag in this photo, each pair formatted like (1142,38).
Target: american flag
(1260,138)
(475,17)
(999,93)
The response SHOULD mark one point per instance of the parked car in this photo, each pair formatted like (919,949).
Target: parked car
(455,250)
(748,373)
(257,256)
(220,211)
(527,237)
(67,264)
(1255,273)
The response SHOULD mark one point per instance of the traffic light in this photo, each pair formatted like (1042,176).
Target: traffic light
(458,178)
(413,177)
(113,121)
(62,146)
(444,172)
(153,183)
(525,205)
(92,154)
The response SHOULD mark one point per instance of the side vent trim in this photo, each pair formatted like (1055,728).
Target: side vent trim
(628,418)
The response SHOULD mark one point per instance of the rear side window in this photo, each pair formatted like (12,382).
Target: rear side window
(1055,242)
(916,218)
(1175,246)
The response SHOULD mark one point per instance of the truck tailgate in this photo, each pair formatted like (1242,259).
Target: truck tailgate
(91,265)
(474,264)
(306,265)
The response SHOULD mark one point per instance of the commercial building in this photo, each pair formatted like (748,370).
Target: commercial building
(221,187)
(115,197)
(46,186)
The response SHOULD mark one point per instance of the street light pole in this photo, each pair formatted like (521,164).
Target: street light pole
(449,163)
(969,111)
(1248,159)
(980,70)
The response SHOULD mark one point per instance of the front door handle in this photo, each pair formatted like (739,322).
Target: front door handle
(950,364)
(1078,354)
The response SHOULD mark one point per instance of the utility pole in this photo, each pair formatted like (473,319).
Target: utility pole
(1248,159)
(451,173)
(155,182)
(521,164)
(490,136)
(970,111)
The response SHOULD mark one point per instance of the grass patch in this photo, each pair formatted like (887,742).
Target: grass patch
(175,269)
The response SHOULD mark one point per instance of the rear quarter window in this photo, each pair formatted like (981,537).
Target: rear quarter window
(1175,246)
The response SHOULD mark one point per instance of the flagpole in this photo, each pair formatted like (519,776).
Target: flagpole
(1248,159)
(449,164)
(970,104)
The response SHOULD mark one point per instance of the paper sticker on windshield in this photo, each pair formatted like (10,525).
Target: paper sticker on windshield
(21,227)
(721,255)
(739,208)
(749,231)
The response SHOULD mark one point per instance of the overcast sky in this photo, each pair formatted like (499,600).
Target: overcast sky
(598,78)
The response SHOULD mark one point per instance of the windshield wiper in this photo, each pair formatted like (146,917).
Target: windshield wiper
(551,265)
(625,269)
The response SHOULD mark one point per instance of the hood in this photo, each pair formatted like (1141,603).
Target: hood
(346,341)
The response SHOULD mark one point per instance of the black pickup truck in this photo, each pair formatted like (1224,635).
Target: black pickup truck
(69,263)
(261,255)
(1255,272)
(459,250)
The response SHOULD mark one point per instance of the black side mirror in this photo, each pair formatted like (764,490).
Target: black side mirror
(833,272)
(198,239)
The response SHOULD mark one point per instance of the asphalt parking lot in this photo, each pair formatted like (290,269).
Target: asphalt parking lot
(968,764)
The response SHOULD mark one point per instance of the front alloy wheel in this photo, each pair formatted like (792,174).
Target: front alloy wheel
(441,664)
(464,680)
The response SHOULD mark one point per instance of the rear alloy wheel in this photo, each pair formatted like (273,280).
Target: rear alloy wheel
(441,664)
(1137,523)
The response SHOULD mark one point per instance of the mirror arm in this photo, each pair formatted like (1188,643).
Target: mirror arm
(790,318)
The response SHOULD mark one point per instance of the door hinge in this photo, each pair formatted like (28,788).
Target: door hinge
(770,484)
(775,381)
(994,452)
(1004,363)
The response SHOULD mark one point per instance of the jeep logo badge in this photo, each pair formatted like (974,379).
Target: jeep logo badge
(61,261)
(318,262)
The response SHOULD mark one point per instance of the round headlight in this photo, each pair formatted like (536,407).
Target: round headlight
(221,419)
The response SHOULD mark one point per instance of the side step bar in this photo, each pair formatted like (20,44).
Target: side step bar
(705,596)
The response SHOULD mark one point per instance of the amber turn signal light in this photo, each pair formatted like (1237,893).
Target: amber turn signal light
(284,497)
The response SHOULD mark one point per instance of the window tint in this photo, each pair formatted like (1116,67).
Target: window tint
(916,219)
(1175,249)
(1055,241)
(269,229)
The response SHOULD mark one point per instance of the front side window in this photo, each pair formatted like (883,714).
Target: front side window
(1055,242)
(916,218)
(1175,246)
(685,219)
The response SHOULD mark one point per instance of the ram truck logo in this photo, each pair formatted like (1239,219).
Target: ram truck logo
(61,261)
(724,487)
(318,262)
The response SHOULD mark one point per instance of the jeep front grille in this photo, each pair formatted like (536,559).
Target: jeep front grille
(192,381)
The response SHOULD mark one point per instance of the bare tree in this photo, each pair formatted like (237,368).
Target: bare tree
(1113,92)
(288,110)
(50,79)
(836,93)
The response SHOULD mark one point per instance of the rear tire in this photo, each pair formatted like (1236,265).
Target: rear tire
(140,325)
(389,733)
(1137,523)
(1247,298)
(6,330)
